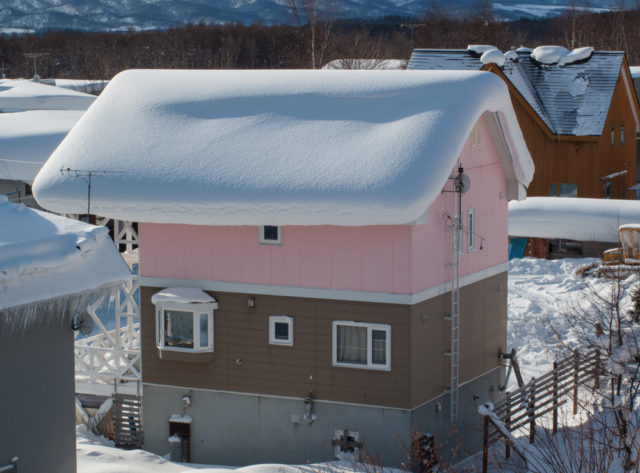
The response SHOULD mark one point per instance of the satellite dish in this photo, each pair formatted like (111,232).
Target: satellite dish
(463,183)
(83,323)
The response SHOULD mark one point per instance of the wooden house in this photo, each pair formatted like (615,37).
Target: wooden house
(50,268)
(323,254)
(578,112)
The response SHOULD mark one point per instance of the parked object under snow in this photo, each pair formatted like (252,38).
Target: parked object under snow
(44,256)
(275,147)
(571,219)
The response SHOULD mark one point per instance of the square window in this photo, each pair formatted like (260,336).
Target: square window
(270,235)
(281,330)
(568,190)
(362,345)
(346,441)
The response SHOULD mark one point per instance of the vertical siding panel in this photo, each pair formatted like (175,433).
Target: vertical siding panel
(291,257)
(346,269)
(147,249)
(198,252)
(377,265)
(316,256)
(256,257)
(228,255)
(169,251)
(401,259)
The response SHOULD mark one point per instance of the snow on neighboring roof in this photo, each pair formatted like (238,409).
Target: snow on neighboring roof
(630,226)
(276,147)
(493,56)
(571,218)
(571,100)
(184,295)
(377,64)
(560,55)
(480,49)
(635,71)
(27,139)
(44,256)
(19,95)
(82,85)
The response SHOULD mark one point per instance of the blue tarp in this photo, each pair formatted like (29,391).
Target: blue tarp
(516,247)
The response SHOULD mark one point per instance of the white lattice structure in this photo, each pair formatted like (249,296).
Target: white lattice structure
(113,356)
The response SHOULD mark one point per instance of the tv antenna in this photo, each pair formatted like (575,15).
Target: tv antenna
(87,176)
(35,57)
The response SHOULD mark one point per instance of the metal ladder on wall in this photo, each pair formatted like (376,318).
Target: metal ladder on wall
(454,316)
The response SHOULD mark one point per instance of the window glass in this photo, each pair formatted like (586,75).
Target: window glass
(553,190)
(204,330)
(621,134)
(379,347)
(271,233)
(568,190)
(352,344)
(281,330)
(178,329)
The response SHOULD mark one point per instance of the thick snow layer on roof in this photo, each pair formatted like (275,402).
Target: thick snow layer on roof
(184,295)
(635,71)
(275,147)
(480,49)
(44,256)
(379,64)
(27,139)
(571,218)
(20,95)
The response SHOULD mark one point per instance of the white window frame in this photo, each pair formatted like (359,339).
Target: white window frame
(263,241)
(370,328)
(280,319)
(471,230)
(196,310)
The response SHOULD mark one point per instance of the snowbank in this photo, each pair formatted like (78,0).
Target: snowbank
(21,95)
(44,256)
(571,218)
(274,147)
(27,139)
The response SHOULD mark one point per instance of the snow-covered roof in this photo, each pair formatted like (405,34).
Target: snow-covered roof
(571,218)
(44,256)
(570,91)
(635,71)
(276,147)
(27,139)
(82,85)
(380,64)
(184,295)
(18,95)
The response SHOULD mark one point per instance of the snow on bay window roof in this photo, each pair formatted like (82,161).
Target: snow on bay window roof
(44,256)
(275,147)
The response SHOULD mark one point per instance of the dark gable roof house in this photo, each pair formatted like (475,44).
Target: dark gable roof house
(577,109)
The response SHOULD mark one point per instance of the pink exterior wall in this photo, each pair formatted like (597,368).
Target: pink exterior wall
(400,259)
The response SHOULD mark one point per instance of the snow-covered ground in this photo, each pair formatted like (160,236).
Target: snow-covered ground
(540,292)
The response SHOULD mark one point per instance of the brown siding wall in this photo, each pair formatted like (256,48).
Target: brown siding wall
(483,331)
(583,160)
(419,369)
(241,333)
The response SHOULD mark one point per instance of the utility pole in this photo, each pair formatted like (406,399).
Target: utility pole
(87,176)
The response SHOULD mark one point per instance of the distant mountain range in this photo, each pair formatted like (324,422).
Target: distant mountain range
(117,15)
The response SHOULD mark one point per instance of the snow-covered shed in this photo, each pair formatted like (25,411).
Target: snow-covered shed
(34,118)
(588,226)
(310,215)
(50,267)
(577,109)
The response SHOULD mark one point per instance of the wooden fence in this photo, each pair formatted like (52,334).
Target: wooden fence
(520,409)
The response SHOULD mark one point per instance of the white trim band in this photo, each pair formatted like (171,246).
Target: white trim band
(333,294)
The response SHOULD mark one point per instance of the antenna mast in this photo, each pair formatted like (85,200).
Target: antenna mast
(87,176)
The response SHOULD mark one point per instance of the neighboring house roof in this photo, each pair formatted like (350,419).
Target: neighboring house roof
(379,64)
(27,139)
(20,95)
(276,147)
(44,256)
(571,99)
(570,218)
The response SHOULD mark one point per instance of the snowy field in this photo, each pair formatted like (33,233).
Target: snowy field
(540,292)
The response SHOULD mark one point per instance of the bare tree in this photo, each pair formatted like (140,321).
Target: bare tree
(317,16)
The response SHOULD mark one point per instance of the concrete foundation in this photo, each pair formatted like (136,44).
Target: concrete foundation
(242,429)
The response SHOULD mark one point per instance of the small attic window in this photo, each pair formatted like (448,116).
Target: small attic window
(270,235)
(621,134)
(613,135)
